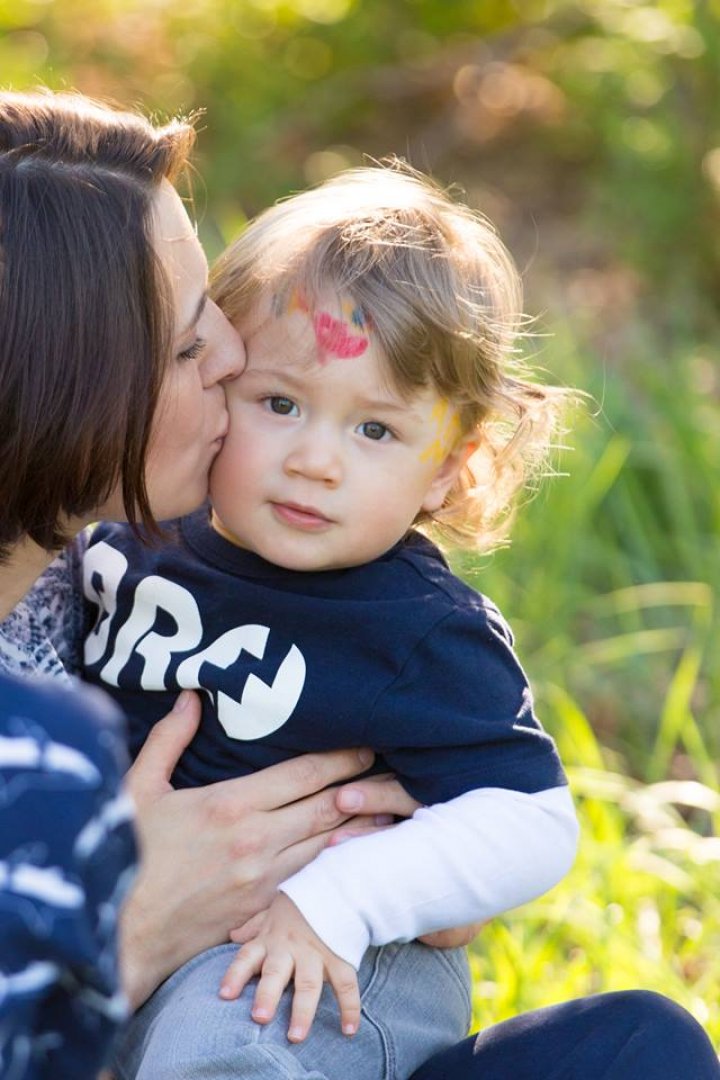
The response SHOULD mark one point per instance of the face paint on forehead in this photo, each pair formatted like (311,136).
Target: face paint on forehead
(446,432)
(334,337)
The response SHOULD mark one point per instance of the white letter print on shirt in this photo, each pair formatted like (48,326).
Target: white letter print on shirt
(262,708)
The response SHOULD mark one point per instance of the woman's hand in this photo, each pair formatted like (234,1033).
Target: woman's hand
(380,799)
(453,939)
(212,857)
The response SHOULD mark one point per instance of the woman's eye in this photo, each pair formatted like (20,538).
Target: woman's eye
(373,429)
(283,406)
(194,351)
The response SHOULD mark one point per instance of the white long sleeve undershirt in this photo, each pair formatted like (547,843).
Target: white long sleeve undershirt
(451,864)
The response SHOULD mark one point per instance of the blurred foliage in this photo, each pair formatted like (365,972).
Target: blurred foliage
(606,104)
(589,131)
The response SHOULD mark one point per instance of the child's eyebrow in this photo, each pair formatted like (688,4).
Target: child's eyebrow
(287,377)
(282,375)
(393,405)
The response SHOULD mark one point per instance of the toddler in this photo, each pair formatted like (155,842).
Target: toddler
(382,400)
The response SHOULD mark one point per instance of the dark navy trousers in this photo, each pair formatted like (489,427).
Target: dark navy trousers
(632,1035)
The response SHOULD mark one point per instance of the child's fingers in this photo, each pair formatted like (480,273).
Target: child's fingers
(248,962)
(308,983)
(277,971)
(343,979)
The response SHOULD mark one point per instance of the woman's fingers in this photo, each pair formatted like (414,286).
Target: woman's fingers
(154,765)
(376,795)
(299,778)
(351,831)
(452,939)
(297,855)
(249,930)
(256,831)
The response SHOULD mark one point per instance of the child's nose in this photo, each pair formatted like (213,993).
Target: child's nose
(316,458)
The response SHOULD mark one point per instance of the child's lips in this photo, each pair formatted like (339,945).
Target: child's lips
(302,517)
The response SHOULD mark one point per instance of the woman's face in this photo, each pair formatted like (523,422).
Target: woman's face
(191,418)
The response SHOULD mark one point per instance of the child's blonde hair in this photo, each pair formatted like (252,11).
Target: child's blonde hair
(443,299)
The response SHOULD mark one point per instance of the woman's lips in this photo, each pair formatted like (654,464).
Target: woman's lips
(219,439)
(301,517)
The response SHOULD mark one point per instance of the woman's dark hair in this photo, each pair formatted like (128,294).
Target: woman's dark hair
(85,319)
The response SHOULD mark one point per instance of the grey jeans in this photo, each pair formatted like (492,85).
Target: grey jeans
(415,1002)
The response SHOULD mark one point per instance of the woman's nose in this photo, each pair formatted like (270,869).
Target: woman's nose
(224,356)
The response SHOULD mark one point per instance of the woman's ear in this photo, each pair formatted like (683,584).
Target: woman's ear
(447,474)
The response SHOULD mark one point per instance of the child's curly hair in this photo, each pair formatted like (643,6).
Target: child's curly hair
(444,300)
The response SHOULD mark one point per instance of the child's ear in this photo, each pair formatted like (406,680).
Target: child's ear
(447,474)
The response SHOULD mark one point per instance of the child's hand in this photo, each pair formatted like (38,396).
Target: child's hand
(280,946)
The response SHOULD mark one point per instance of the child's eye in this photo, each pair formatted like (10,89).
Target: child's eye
(283,406)
(373,429)
(194,351)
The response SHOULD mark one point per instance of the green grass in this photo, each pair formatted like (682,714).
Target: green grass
(641,907)
(611,586)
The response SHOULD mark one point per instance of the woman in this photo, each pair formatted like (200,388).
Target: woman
(111,368)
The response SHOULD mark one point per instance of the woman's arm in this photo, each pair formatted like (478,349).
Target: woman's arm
(213,857)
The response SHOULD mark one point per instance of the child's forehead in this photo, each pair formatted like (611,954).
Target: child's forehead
(312,328)
(325,339)
(288,295)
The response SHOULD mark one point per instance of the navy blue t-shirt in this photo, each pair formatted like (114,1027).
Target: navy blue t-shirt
(398,655)
(67,857)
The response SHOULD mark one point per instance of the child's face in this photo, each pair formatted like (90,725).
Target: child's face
(325,465)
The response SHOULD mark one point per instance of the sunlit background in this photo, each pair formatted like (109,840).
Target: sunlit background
(590,134)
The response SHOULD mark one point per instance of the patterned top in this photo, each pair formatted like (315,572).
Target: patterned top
(44,633)
(67,857)
(67,851)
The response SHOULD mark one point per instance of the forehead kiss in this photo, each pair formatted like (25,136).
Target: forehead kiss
(341,333)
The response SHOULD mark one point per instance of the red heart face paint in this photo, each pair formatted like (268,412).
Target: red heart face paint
(335,338)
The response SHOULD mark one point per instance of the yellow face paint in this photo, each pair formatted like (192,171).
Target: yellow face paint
(447,431)
(296,302)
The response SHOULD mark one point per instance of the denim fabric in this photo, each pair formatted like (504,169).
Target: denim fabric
(416,1002)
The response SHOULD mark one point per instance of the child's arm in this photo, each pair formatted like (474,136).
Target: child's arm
(453,863)
(499,828)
